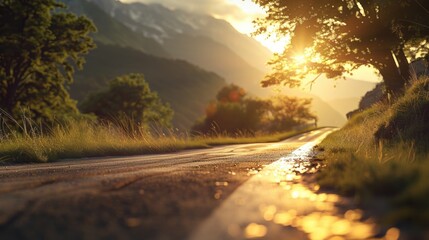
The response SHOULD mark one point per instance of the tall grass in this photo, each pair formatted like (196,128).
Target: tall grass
(381,155)
(87,138)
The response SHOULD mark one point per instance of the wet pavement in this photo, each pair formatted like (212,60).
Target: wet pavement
(283,201)
(248,191)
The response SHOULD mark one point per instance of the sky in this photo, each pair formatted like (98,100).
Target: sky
(239,13)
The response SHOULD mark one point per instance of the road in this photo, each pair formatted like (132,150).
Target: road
(262,190)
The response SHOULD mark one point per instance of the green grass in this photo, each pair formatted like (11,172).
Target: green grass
(381,158)
(79,139)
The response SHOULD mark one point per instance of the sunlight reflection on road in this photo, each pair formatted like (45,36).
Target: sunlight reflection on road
(283,201)
(307,209)
(320,218)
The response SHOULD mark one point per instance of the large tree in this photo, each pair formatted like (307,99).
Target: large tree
(339,36)
(40,46)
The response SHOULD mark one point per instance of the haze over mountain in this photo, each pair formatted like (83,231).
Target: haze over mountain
(342,95)
(112,32)
(164,25)
(197,38)
(185,87)
(152,34)
(188,88)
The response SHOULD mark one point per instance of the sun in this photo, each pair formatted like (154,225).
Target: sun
(300,59)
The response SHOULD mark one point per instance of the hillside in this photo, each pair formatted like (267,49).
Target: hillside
(186,87)
(161,23)
(342,95)
(195,49)
(207,42)
(112,32)
(380,158)
(329,89)
(345,105)
(200,39)
(328,115)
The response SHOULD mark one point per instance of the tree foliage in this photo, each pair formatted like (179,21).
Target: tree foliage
(40,47)
(235,113)
(231,93)
(339,36)
(286,112)
(129,98)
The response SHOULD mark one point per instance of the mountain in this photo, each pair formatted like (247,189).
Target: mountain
(222,60)
(197,38)
(132,37)
(345,105)
(327,115)
(161,23)
(186,87)
(112,32)
(342,95)
(330,90)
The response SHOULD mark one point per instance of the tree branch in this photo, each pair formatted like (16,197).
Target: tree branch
(421,5)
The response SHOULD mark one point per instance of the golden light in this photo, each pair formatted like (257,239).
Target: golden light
(300,59)
(393,234)
(324,221)
(248,6)
(255,230)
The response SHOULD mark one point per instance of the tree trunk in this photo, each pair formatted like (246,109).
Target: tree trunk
(9,101)
(392,78)
(404,65)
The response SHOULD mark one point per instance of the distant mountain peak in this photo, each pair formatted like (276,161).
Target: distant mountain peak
(163,24)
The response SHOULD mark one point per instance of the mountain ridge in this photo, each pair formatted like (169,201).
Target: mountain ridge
(96,74)
(112,32)
(159,23)
(187,88)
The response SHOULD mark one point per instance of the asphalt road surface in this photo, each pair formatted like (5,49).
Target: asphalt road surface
(248,191)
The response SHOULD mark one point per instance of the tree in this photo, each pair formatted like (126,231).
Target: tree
(234,112)
(40,47)
(231,93)
(129,98)
(286,112)
(339,36)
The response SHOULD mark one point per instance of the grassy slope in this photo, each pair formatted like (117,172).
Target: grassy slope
(391,169)
(84,139)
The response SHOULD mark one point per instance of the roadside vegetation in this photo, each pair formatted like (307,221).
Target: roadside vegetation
(129,119)
(234,111)
(381,157)
(42,45)
(88,138)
